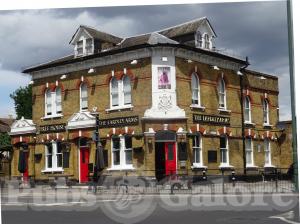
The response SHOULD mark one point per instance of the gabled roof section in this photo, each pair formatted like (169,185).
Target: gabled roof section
(22,126)
(186,28)
(96,34)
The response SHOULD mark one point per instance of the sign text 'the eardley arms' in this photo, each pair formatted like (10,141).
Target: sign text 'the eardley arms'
(202,118)
(119,121)
(53,128)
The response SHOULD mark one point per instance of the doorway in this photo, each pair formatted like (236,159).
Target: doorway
(84,164)
(165,159)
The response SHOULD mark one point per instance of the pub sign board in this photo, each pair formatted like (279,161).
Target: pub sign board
(119,122)
(53,128)
(212,119)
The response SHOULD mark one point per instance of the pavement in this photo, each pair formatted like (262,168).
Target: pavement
(63,205)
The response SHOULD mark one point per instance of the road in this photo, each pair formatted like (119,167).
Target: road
(122,208)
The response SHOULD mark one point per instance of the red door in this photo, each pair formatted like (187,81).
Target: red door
(170,156)
(25,174)
(84,164)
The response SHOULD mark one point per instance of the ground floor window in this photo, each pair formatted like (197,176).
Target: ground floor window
(249,152)
(122,152)
(197,151)
(53,156)
(267,152)
(224,151)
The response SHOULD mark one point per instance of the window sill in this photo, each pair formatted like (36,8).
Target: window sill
(52,170)
(269,166)
(195,106)
(119,108)
(267,125)
(198,166)
(121,168)
(225,166)
(251,167)
(52,116)
(249,123)
(224,110)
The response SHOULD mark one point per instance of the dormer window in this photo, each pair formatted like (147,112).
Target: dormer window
(89,46)
(80,47)
(198,40)
(206,41)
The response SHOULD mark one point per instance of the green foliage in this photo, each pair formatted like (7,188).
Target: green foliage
(4,139)
(23,102)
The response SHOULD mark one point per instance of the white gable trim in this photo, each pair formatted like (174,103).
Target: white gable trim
(81,120)
(22,126)
(78,34)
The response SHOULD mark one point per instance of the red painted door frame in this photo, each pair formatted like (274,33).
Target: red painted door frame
(84,154)
(170,156)
(25,174)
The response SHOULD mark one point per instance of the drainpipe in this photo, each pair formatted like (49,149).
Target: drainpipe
(242,111)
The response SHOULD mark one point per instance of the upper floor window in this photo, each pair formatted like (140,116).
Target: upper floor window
(266,111)
(206,41)
(247,109)
(195,90)
(84,47)
(89,46)
(80,47)
(222,93)
(53,102)
(198,39)
(120,92)
(83,96)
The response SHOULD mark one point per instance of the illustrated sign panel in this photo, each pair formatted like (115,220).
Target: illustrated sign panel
(53,128)
(202,118)
(119,121)
(164,78)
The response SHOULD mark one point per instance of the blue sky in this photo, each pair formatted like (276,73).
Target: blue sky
(248,29)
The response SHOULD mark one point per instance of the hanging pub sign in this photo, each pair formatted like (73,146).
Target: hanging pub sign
(119,122)
(203,118)
(52,128)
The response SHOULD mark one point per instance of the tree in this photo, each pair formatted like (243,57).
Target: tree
(4,140)
(23,102)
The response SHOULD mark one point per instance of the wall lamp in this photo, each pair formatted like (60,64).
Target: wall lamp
(134,62)
(164,58)
(189,61)
(63,77)
(239,73)
(31,82)
(91,70)
(215,67)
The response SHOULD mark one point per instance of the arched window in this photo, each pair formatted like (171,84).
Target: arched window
(195,90)
(127,90)
(266,111)
(114,90)
(247,109)
(206,41)
(222,93)
(83,96)
(58,100)
(48,102)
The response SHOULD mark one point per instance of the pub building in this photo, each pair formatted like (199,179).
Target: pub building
(166,102)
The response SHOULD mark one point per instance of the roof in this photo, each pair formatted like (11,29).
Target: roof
(186,28)
(98,35)
(252,72)
(5,124)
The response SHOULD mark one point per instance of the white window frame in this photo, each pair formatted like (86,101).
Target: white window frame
(247,109)
(84,47)
(249,149)
(54,103)
(205,41)
(200,149)
(123,90)
(198,39)
(121,95)
(267,149)
(81,98)
(54,167)
(123,150)
(226,163)
(221,82)
(196,89)
(48,92)
(266,111)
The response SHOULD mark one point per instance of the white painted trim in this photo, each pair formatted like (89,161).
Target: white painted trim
(134,55)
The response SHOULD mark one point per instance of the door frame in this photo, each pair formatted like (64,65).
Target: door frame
(175,148)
